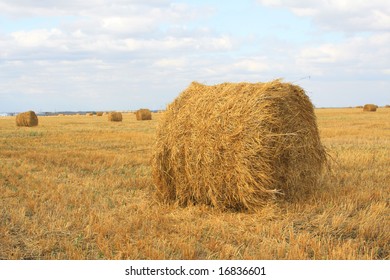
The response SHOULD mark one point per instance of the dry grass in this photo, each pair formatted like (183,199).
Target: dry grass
(81,188)
(143,114)
(28,118)
(115,116)
(370,107)
(238,145)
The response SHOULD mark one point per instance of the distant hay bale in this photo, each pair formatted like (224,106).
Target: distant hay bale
(370,107)
(99,114)
(89,114)
(387,106)
(28,118)
(237,145)
(143,114)
(115,116)
(359,107)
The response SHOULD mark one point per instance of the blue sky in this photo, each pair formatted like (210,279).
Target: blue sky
(128,54)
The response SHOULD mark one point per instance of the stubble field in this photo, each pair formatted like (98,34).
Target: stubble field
(80,187)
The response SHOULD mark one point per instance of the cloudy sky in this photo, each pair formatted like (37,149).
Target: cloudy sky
(126,54)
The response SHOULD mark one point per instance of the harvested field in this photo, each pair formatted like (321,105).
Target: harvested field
(82,188)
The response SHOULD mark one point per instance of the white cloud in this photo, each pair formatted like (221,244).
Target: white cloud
(340,15)
(109,28)
(55,40)
(19,8)
(121,49)
(37,38)
(368,56)
(78,34)
(360,52)
(151,49)
(171,62)
(256,65)
(150,12)
(103,26)
(135,24)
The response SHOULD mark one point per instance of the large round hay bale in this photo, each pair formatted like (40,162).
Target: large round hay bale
(99,114)
(143,114)
(237,145)
(370,107)
(28,118)
(115,116)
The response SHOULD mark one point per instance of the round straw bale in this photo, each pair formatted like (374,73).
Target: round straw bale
(370,107)
(237,145)
(143,114)
(99,114)
(28,118)
(115,116)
